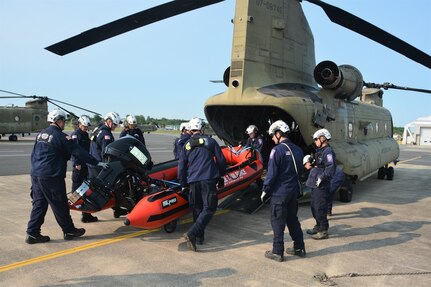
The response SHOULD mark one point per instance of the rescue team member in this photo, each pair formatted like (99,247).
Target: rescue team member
(282,184)
(131,128)
(100,138)
(80,169)
(319,180)
(51,151)
(198,169)
(254,140)
(180,141)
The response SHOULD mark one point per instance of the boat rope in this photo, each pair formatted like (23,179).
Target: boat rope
(327,280)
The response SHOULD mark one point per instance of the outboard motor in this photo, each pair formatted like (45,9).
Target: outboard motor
(123,180)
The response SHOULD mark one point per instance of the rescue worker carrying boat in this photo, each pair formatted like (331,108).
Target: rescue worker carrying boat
(52,149)
(80,170)
(198,169)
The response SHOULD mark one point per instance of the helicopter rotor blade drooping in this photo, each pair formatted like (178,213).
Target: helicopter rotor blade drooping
(360,26)
(47,99)
(127,24)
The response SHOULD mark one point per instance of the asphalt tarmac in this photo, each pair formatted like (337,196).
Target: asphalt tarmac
(382,237)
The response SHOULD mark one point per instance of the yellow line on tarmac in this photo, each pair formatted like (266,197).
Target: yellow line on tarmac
(407,160)
(86,247)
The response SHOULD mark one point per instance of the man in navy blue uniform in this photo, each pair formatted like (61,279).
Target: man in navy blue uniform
(100,138)
(131,128)
(254,140)
(80,169)
(180,141)
(52,150)
(198,169)
(282,185)
(319,180)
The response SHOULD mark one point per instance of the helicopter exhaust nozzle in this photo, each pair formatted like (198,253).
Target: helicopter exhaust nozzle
(346,80)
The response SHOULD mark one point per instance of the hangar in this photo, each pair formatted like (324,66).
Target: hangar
(418,132)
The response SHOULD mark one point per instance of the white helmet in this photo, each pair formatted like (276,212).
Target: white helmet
(56,115)
(322,132)
(278,126)
(184,126)
(84,120)
(131,120)
(306,159)
(115,117)
(196,124)
(251,129)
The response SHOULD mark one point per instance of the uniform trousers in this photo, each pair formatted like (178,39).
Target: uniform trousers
(203,200)
(49,191)
(319,206)
(284,213)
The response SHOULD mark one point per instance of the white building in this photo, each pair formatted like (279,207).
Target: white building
(418,132)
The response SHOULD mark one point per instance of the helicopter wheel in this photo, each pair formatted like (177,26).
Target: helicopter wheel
(346,191)
(390,173)
(13,138)
(170,226)
(381,173)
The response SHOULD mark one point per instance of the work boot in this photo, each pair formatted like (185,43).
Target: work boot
(200,239)
(87,217)
(36,238)
(77,232)
(323,234)
(119,212)
(273,256)
(191,241)
(296,251)
(313,231)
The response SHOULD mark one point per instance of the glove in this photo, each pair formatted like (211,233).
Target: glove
(262,197)
(185,190)
(318,182)
(220,182)
(103,165)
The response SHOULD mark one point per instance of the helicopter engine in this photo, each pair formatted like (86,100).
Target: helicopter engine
(346,80)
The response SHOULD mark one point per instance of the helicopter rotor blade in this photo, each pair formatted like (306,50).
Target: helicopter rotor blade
(374,33)
(17,95)
(64,103)
(387,86)
(127,24)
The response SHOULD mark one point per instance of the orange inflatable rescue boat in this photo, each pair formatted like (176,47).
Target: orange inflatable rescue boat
(153,198)
(165,207)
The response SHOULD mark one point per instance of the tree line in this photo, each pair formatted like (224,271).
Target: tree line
(142,120)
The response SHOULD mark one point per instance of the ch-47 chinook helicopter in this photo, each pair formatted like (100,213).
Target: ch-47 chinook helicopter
(30,118)
(273,75)
(23,120)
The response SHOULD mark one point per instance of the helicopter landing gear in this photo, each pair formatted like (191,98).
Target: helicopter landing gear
(386,171)
(170,226)
(13,138)
(346,191)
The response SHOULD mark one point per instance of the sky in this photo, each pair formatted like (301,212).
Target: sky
(164,69)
